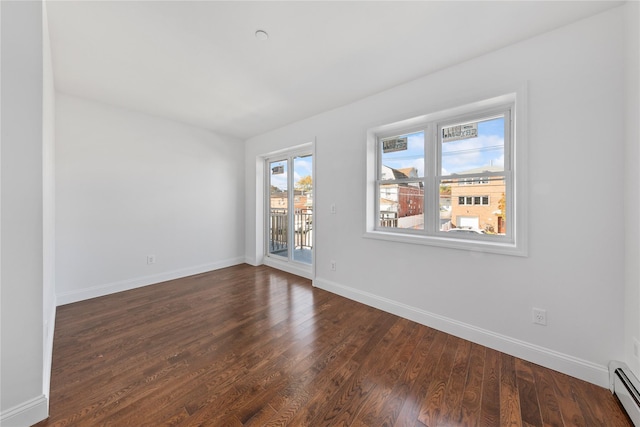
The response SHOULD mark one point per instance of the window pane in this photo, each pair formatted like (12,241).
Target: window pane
(402,156)
(401,206)
(473,147)
(278,208)
(476,208)
(445,202)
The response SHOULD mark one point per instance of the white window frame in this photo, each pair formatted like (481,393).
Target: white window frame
(515,173)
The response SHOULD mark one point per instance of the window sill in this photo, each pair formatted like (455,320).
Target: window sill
(494,246)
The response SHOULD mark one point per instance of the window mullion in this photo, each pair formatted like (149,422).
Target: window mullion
(432,194)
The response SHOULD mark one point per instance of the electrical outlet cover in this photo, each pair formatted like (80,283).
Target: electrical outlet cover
(540,316)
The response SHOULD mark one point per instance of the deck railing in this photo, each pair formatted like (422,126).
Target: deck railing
(303,229)
(277,230)
(303,236)
(388,219)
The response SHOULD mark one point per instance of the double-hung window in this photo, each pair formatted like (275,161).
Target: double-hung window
(448,179)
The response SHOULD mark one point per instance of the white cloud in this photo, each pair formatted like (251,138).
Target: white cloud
(472,153)
(419,165)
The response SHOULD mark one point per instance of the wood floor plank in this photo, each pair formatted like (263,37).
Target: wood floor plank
(612,408)
(305,359)
(253,346)
(307,375)
(472,397)
(595,412)
(452,404)
(416,377)
(317,404)
(259,418)
(569,407)
(433,404)
(549,407)
(351,399)
(510,413)
(529,404)
(383,405)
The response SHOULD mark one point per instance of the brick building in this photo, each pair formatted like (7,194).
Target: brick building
(478,202)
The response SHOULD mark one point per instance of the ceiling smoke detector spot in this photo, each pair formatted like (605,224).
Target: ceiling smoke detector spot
(262,35)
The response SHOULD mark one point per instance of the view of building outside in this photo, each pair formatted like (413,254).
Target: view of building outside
(476,203)
(401,205)
(283,225)
(472,189)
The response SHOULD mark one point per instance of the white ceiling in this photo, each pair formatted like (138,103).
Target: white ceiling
(199,62)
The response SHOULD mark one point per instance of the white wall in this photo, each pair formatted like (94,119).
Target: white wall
(130,185)
(48,206)
(632,186)
(575,267)
(22,401)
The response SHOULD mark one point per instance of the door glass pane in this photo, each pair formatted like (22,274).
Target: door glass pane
(303,209)
(278,208)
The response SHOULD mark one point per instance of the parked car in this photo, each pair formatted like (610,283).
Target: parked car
(466,231)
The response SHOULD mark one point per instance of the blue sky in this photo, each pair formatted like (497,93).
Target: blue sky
(303,166)
(457,156)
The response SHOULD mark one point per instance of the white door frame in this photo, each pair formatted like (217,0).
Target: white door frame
(287,264)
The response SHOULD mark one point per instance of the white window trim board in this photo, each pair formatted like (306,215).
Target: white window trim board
(518,209)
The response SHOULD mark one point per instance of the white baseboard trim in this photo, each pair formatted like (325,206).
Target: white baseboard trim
(573,366)
(125,285)
(26,414)
(49,329)
(251,261)
(288,267)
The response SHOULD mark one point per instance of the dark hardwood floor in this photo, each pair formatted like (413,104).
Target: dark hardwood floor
(258,347)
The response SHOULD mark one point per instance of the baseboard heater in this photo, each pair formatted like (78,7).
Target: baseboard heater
(626,387)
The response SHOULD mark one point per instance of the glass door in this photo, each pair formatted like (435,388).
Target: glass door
(278,213)
(290,208)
